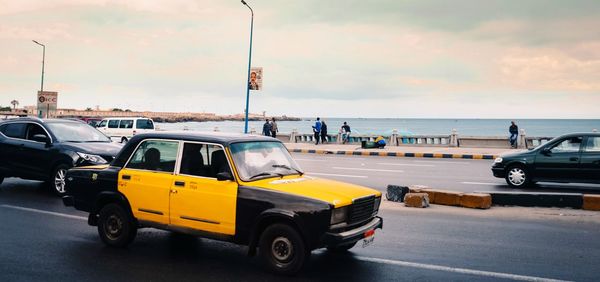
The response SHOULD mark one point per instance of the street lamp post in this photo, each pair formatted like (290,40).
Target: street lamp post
(249,64)
(43,59)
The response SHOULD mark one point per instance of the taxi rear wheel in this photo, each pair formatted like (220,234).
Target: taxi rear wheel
(115,226)
(282,249)
(341,248)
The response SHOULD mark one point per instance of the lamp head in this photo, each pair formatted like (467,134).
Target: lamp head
(244,2)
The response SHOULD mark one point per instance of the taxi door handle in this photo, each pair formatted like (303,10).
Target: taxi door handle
(126,177)
(179,183)
(173,191)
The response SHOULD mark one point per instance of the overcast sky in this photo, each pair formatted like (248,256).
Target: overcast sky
(473,59)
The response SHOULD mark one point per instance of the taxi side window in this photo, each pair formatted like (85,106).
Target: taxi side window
(155,155)
(203,160)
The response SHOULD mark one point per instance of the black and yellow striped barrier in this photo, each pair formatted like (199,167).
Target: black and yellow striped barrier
(399,154)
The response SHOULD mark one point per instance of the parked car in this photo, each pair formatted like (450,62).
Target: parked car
(238,188)
(122,129)
(568,158)
(44,149)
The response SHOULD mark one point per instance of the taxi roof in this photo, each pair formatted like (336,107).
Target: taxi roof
(223,138)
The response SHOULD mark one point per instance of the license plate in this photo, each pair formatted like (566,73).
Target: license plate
(367,241)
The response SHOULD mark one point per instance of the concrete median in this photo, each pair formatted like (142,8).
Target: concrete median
(591,202)
(453,198)
(476,201)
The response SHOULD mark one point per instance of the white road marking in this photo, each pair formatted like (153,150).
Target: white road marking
(397,164)
(481,183)
(45,212)
(340,175)
(367,169)
(456,270)
(444,162)
(309,160)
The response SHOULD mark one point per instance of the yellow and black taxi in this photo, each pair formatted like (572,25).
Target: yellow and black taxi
(238,188)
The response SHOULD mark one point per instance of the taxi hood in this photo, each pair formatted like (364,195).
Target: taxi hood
(336,193)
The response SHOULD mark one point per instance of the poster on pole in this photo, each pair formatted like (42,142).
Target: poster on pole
(256,76)
(46,103)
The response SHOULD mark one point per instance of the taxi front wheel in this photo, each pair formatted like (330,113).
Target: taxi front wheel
(282,249)
(115,226)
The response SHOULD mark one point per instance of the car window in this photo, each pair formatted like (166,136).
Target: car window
(102,123)
(568,145)
(144,124)
(126,123)
(593,144)
(204,160)
(113,123)
(155,155)
(34,129)
(15,130)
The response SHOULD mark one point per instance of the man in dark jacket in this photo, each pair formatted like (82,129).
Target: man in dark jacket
(514,134)
(267,128)
(317,131)
(324,132)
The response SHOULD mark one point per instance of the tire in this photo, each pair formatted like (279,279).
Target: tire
(341,248)
(282,249)
(115,226)
(123,139)
(58,179)
(517,177)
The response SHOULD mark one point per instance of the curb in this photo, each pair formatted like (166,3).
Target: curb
(398,154)
(451,198)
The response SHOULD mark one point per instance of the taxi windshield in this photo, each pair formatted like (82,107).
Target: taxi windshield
(257,160)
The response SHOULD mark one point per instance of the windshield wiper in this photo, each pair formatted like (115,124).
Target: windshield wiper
(289,168)
(266,174)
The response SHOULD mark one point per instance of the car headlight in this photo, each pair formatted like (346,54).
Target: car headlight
(377,203)
(498,160)
(339,215)
(95,159)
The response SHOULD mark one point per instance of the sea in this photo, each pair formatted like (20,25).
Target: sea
(406,126)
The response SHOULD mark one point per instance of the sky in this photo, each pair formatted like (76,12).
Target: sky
(381,58)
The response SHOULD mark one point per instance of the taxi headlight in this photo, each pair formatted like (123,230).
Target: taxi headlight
(377,203)
(95,159)
(498,160)
(339,215)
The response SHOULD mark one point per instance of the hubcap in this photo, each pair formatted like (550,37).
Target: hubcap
(113,227)
(282,248)
(59,180)
(516,176)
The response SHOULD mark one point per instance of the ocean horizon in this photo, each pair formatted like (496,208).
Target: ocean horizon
(407,126)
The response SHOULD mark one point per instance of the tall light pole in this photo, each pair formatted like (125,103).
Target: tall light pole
(249,64)
(43,59)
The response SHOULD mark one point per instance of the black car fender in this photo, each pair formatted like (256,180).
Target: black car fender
(106,197)
(269,217)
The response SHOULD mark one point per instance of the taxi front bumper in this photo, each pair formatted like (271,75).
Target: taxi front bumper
(353,235)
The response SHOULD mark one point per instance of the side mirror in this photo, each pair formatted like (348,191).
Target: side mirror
(546,151)
(225,175)
(40,138)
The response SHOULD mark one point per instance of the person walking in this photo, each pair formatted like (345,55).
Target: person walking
(274,128)
(317,130)
(324,132)
(345,133)
(514,134)
(267,128)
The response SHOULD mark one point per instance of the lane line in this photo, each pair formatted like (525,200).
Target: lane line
(45,212)
(397,164)
(309,160)
(340,175)
(481,183)
(444,162)
(457,270)
(367,169)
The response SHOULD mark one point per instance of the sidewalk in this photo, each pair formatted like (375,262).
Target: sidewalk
(401,151)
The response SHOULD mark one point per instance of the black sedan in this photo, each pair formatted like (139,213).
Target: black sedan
(44,149)
(569,158)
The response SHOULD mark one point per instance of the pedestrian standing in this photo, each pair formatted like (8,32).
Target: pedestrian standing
(345,133)
(267,128)
(323,132)
(317,131)
(274,128)
(514,134)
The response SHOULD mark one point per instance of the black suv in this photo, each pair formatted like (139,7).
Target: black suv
(569,158)
(37,149)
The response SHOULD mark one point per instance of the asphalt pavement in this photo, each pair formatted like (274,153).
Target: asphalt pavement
(44,241)
(448,174)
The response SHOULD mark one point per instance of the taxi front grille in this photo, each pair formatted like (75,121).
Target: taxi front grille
(362,209)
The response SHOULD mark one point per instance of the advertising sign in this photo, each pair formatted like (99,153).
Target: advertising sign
(256,76)
(46,103)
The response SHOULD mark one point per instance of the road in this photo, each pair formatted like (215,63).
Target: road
(448,174)
(43,240)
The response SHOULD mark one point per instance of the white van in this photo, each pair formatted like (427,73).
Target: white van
(122,129)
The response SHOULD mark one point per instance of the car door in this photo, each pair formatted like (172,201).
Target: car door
(590,159)
(147,178)
(199,201)
(560,160)
(37,157)
(12,147)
